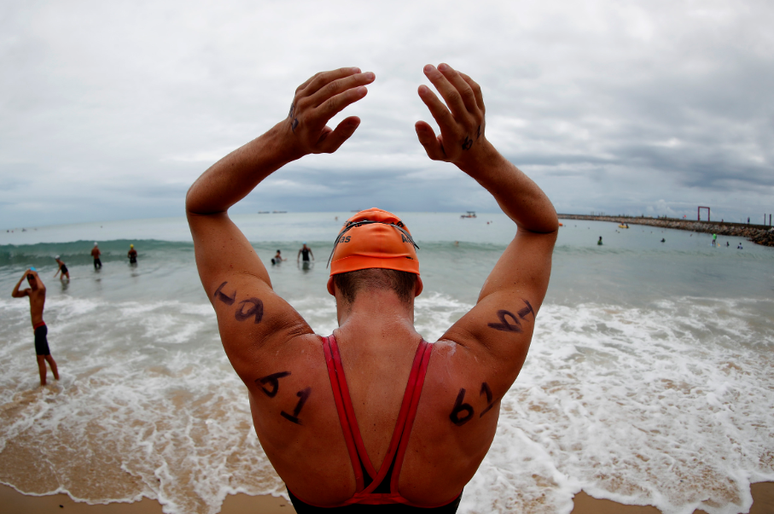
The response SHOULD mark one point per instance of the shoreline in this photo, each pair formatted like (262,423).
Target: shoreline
(16,502)
(759,234)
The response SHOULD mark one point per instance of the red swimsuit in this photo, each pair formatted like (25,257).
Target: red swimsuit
(377,487)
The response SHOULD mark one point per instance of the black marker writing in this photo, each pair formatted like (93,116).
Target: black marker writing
(485,390)
(293,119)
(504,326)
(256,310)
(478,133)
(303,396)
(273,380)
(461,407)
(228,300)
(526,310)
(467,143)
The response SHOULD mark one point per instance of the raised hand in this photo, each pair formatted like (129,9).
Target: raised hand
(461,118)
(318,100)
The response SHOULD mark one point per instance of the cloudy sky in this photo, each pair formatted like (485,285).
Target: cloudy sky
(110,110)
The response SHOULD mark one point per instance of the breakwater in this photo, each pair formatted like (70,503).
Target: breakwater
(758,234)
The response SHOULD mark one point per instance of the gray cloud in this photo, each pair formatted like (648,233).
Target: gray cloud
(111,111)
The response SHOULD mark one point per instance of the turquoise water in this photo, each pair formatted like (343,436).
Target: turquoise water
(649,379)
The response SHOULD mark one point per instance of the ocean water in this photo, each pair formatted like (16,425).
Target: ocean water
(650,379)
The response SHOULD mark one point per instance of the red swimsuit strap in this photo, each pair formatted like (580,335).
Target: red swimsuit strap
(38,324)
(399,441)
(339,382)
(413,392)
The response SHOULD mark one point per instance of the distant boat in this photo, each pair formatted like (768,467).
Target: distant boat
(470,214)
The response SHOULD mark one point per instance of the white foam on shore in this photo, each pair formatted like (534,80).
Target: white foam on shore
(637,406)
(669,405)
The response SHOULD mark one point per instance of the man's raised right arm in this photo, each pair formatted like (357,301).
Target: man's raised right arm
(236,281)
(24,292)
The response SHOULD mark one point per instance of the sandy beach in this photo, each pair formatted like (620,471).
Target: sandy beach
(16,503)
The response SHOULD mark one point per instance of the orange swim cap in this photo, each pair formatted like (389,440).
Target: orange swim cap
(374,239)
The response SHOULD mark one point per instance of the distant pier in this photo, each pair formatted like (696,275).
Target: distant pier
(758,234)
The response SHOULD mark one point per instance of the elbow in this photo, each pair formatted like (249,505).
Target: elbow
(190,204)
(548,227)
(198,203)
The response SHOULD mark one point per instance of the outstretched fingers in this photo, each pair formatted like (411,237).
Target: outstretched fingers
(332,140)
(318,100)
(337,97)
(437,108)
(455,90)
(460,115)
(479,96)
(320,79)
(432,144)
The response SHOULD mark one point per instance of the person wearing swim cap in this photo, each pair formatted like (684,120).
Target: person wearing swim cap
(37,295)
(132,254)
(95,253)
(61,268)
(373,417)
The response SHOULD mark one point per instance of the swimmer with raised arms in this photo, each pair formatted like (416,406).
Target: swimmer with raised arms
(37,295)
(373,418)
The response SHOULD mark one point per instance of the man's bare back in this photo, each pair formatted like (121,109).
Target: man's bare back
(95,253)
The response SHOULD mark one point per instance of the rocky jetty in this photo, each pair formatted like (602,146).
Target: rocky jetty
(758,234)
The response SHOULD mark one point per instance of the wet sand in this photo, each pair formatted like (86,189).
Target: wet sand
(14,502)
(763,503)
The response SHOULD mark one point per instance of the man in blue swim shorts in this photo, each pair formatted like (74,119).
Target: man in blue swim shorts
(37,295)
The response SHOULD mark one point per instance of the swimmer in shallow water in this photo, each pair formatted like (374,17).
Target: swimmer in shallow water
(62,268)
(277,259)
(304,253)
(428,412)
(37,295)
(95,253)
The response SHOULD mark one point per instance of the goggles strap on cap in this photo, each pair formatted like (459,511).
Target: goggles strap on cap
(354,224)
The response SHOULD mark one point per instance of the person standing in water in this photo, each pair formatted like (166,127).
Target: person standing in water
(132,254)
(37,295)
(373,417)
(277,259)
(600,241)
(95,253)
(65,273)
(304,253)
